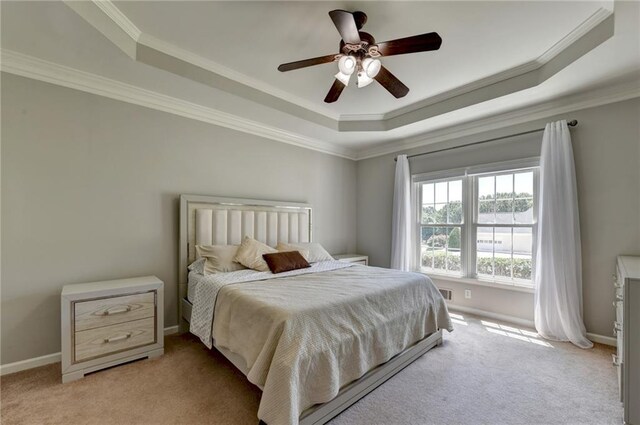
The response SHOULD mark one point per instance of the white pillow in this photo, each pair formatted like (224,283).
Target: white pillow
(250,254)
(316,251)
(197,266)
(219,258)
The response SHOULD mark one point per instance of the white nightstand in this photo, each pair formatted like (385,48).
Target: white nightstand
(111,322)
(353,258)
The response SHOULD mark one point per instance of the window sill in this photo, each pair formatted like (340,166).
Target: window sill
(480,282)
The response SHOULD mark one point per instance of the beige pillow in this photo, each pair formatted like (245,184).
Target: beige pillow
(219,258)
(250,254)
(316,251)
(304,252)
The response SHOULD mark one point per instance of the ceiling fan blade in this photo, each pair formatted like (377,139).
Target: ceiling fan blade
(334,91)
(305,63)
(391,83)
(417,43)
(346,25)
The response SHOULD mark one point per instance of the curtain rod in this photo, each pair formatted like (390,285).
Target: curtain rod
(571,123)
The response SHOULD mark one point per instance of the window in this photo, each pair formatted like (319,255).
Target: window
(480,224)
(441,226)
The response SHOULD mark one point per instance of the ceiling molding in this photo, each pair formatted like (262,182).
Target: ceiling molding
(589,99)
(588,25)
(120,19)
(50,72)
(595,30)
(215,67)
(38,69)
(152,51)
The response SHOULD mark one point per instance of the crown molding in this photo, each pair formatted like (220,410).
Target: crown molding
(38,69)
(215,67)
(140,38)
(155,52)
(589,99)
(565,43)
(119,18)
(50,72)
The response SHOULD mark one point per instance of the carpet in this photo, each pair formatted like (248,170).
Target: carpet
(486,372)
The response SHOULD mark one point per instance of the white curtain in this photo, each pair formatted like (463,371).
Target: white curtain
(401,245)
(558,275)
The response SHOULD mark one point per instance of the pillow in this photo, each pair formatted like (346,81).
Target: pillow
(219,258)
(279,262)
(304,252)
(316,251)
(197,266)
(250,254)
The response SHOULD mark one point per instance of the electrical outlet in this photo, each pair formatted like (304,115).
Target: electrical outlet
(467,293)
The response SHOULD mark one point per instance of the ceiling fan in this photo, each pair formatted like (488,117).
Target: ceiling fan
(360,53)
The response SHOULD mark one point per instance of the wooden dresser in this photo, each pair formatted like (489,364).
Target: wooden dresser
(107,323)
(627,330)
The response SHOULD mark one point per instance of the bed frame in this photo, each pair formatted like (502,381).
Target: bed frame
(214,220)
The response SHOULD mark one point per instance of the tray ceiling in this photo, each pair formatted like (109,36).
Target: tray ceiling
(480,39)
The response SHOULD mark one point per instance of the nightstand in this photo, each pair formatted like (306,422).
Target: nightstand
(353,258)
(108,323)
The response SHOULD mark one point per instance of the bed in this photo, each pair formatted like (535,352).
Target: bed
(313,340)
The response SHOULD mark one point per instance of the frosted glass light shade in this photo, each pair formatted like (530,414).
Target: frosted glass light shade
(371,67)
(363,79)
(347,65)
(343,78)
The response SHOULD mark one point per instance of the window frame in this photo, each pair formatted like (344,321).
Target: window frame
(420,225)
(469,226)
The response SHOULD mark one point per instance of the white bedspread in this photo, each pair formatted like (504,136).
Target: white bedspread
(305,335)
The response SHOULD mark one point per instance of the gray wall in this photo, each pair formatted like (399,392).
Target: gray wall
(607,153)
(90,191)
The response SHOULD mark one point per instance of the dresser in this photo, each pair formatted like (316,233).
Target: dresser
(107,323)
(627,330)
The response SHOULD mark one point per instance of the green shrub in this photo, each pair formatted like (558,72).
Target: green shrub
(440,260)
(521,266)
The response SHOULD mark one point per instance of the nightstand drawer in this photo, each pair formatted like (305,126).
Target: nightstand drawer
(113,338)
(110,311)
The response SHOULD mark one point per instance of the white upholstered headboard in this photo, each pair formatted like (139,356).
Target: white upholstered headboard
(210,220)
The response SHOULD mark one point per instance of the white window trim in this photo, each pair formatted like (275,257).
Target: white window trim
(469,225)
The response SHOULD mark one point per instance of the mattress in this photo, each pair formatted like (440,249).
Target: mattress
(194,280)
(303,336)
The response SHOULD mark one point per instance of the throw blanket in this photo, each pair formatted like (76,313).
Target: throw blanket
(306,335)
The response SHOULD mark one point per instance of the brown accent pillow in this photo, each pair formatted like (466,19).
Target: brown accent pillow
(279,262)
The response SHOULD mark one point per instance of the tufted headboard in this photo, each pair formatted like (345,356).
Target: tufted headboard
(210,220)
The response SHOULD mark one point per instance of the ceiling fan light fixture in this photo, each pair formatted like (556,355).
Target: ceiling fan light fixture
(347,64)
(371,67)
(363,79)
(343,78)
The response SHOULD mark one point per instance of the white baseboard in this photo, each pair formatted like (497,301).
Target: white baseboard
(492,315)
(6,369)
(600,339)
(14,367)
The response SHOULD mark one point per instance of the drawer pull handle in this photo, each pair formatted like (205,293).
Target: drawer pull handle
(118,338)
(110,311)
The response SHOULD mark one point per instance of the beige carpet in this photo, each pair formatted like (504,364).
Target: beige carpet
(485,373)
